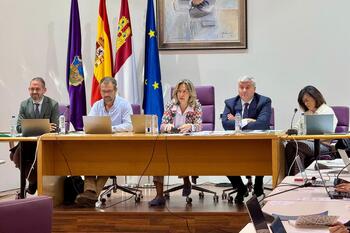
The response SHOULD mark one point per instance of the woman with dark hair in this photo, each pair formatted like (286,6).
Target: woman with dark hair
(182,114)
(311,102)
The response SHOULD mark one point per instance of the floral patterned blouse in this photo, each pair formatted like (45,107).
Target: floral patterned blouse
(193,116)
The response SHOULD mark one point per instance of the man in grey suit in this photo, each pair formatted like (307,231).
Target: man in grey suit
(38,106)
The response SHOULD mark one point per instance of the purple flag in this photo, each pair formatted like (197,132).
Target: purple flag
(75,73)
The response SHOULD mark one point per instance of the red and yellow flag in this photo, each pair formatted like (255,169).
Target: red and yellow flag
(103,55)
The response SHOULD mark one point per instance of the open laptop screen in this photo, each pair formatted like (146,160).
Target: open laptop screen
(97,124)
(345,158)
(35,127)
(277,226)
(319,124)
(256,215)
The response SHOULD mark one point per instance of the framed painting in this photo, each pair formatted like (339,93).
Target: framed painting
(202,24)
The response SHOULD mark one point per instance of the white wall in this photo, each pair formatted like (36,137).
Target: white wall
(290,44)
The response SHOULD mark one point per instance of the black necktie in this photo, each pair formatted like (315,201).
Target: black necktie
(36,111)
(245,111)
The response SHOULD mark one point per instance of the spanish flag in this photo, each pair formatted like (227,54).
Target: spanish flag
(103,55)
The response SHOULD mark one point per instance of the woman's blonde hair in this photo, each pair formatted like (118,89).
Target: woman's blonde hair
(190,88)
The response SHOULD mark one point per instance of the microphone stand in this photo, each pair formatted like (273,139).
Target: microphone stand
(292,131)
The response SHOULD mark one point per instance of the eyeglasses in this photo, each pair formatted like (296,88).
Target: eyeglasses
(34,89)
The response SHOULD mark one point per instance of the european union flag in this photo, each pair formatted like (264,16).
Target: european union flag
(153,94)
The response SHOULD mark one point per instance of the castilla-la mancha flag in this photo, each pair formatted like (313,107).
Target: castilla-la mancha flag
(103,55)
(125,68)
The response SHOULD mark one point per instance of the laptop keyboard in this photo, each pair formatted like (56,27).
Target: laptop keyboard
(338,195)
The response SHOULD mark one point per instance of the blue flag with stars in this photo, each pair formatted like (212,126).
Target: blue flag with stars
(153,94)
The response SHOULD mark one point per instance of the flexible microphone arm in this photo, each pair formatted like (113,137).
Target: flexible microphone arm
(292,131)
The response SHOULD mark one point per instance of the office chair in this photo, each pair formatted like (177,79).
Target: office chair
(206,96)
(342,114)
(136,109)
(249,184)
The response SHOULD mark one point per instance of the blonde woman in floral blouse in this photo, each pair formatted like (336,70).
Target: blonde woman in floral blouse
(183,114)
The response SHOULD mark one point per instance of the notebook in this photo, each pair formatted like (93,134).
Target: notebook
(319,124)
(97,124)
(138,122)
(256,215)
(35,127)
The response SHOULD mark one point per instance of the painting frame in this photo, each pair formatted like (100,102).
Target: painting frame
(235,36)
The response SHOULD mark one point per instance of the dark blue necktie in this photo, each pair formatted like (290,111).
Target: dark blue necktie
(245,111)
(36,111)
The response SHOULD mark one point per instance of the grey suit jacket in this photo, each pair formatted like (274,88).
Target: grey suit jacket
(49,110)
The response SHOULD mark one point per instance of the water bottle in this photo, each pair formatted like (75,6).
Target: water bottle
(302,125)
(62,124)
(154,124)
(13,125)
(148,124)
(238,122)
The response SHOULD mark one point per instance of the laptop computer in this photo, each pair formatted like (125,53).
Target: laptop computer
(345,158)
(319,124)
(345,167)
(334,194)
(97,124)
(303,174)
(35,127)
(138,122)
(256,215)
(277,226)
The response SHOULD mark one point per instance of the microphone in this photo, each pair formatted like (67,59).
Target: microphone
(292,131)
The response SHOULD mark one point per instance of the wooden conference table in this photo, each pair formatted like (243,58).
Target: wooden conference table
(138,154)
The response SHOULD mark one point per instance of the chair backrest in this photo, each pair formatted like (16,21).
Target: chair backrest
(206,96)
(342,114)
(64,110)
(26,215)
(272,119)
(136,109)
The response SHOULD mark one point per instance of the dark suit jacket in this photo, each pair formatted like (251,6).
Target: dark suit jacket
(259,109)
(49,110)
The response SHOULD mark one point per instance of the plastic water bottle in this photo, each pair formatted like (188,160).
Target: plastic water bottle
(238,122)
(62,124)
(13,125)
(148,124)
(302,125)
(154,124)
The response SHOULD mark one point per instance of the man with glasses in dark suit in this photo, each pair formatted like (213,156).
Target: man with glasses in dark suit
(37,106)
